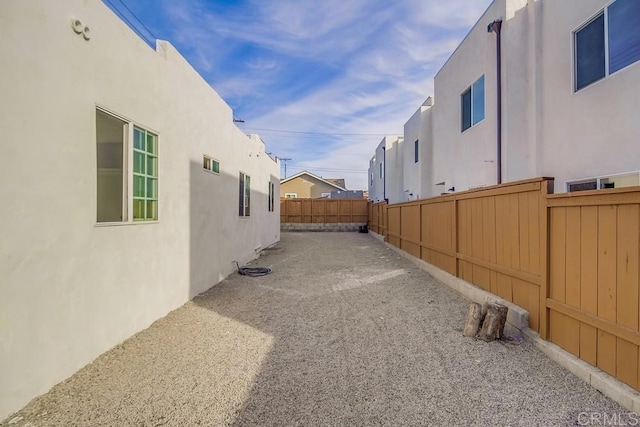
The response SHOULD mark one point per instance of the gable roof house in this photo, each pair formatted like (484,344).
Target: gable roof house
(563,104)
(305,185)
(126,189)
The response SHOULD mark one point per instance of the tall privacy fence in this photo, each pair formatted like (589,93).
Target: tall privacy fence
(323,214)
(570,259)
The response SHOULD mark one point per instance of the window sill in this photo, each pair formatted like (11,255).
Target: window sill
(120,224)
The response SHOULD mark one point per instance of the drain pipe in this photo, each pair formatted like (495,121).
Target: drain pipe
(384,174)
(496,26)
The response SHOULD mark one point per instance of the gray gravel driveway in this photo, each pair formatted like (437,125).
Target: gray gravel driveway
(343,332)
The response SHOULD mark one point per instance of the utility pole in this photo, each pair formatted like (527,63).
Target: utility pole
(285,159)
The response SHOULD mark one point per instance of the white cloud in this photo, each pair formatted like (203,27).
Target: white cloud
(382,57)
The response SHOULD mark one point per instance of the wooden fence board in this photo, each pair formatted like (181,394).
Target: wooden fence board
(557,254)
(627,270)
(589,259)
(607,262)
(572,256)
(588,343)
(627,362)
(607,344)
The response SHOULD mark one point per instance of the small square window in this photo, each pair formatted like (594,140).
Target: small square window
(210,164)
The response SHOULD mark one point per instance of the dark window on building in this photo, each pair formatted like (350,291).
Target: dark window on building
(621,40)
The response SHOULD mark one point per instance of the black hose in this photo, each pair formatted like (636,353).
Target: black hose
(253,271)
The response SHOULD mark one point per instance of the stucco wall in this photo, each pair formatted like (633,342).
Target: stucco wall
(548,128)
(389,184)
(591,132)
(71,289)
(417,176)
(467,159)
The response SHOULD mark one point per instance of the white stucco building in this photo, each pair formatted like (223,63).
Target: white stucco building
(569,81)
(385,171)
(126,189)
(417,153)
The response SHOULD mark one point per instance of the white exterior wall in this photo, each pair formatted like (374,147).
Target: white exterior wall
(387,184)
(71,289)
(394,189)
(417,177)
(594,131)
(467,159)
(547,128)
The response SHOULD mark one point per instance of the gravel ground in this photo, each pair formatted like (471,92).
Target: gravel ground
(343,332)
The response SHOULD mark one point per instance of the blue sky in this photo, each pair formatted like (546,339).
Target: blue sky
(321,81)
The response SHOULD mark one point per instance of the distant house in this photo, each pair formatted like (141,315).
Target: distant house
(337,181)
(305,185)
(134,193)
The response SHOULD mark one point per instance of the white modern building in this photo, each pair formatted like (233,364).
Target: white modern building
(568,84)
(385,171)
(417,154)
(126,189)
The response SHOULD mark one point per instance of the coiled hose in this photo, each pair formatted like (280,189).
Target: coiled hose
(252,271)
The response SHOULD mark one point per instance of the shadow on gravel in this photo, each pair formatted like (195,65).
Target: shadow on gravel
(361,337)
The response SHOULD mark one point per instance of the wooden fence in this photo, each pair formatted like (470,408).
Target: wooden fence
(326,211)
(593,278)
(570,259)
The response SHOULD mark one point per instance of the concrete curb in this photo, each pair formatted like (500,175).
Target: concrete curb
(609,386)
(518,317)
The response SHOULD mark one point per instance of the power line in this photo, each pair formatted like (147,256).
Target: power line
(356,171)
(132,25)
(323,133)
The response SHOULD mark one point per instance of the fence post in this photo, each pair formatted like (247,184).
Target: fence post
(454,232)
(546,188)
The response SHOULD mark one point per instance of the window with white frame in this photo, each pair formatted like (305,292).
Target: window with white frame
(472,104)
(145,175)
(244,199)
(381,170)
(210,164)
(290,195)
(609,42)
(125,193)
(603,182)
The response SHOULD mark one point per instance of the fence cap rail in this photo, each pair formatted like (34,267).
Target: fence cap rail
(498,189)
(612,196)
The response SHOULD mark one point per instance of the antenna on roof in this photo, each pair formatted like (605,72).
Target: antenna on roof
(237,120)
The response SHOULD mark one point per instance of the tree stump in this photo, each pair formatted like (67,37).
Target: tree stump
(474,320)
(493,325)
